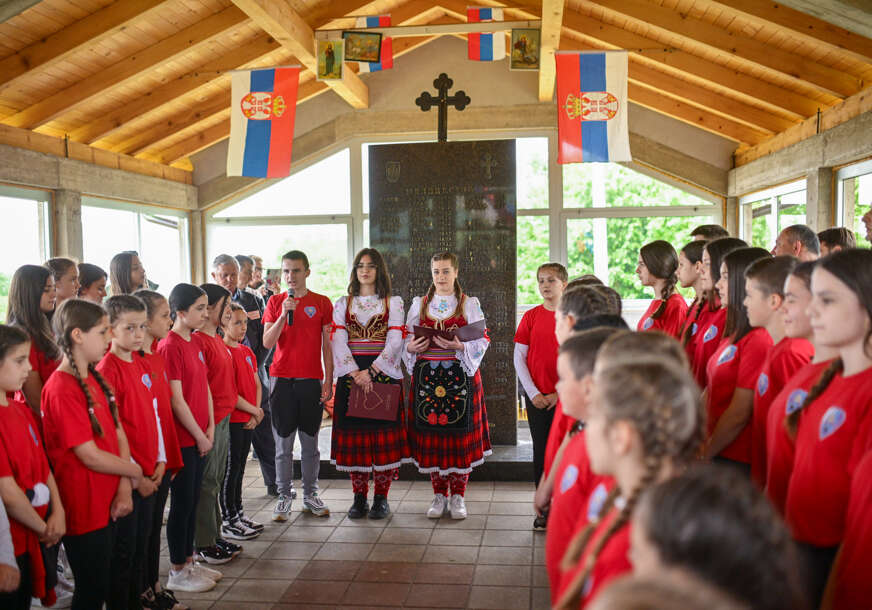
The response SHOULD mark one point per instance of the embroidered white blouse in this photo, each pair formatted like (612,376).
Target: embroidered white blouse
(364,309)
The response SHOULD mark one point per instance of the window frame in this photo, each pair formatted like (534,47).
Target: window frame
(44,199)
(773,195)
(844,217)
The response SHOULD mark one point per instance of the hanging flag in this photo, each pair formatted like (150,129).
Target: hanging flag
(592,106)
(387,48)
(490,46)
(263,105)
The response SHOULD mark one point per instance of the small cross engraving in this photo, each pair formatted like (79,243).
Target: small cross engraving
(459,100)
(489,164)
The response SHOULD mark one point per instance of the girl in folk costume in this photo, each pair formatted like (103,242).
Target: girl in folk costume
(657,268)
(448,430)
(367,347)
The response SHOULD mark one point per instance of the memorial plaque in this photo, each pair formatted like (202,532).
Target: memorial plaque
(457,197)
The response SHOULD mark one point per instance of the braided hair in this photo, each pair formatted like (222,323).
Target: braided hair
(692,251)
(583,301)
(661,401)
(84,315)
(662,262)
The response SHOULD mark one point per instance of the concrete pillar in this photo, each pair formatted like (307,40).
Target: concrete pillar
(68,224)
(197,242)
(820,207)
(731,215)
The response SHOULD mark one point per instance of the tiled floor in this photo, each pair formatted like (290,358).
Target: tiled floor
(492,559)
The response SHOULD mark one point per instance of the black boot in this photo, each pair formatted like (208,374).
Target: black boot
(380,508)
(360,507)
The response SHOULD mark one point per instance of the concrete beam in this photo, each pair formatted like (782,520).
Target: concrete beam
(30,168)
(820,210)
(67,213)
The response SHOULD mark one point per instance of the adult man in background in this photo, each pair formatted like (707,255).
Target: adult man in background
(798,241)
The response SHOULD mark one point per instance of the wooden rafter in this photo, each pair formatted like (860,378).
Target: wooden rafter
(156,55)
(827,80)
(282,22)
(85,32)
(552,20)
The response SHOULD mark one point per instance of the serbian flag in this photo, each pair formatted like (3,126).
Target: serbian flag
(489,46)
(386,56)
(592,106)
(263,105)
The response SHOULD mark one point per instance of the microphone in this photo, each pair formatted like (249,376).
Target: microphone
(291,311)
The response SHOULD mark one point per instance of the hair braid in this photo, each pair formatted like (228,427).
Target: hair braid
(668,291)
(108,392)
(96,428)
(699,302)
(576,546)
(792,420)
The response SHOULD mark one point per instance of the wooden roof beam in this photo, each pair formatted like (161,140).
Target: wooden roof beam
(152,57)
(825,79)
(552,20)
(87,31)
(282,22)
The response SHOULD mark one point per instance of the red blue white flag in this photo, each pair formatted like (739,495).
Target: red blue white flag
(489,46)
(592,106)
(263,105)
(386,57)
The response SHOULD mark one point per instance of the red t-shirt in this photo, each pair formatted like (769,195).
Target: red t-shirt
(536,330)
(22,457)
(298,350)
(735,365)
(710,332)
(245,373)
(560,426)
(670,321)
(186,363)
(828,447)
(783,361)
(573,505)
(779,445)
(41,363)
(691,322)
(222,380)
(164,395)
(853,585)
(86,495)
(132,384)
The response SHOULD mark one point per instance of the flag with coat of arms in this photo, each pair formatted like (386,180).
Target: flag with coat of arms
(386,56)
(485,46)
(592,106)
(263,106)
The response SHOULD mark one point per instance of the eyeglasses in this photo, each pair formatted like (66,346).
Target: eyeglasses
(366,266)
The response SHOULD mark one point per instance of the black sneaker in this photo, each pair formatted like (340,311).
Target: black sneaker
(236,530)
(258,527)
(380,508)
(360,507)
(214,555)
(272,490)
(540,523)
(230,547)
(167,600)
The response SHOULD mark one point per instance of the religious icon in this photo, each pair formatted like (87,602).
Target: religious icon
(330,59)
(362,46)
(525,49)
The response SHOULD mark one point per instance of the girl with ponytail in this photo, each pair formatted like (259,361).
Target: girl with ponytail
(644,424)
(657,268)
(831,426)
(88,449)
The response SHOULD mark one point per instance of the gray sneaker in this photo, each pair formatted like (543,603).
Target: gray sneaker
(282,509)
(315,505)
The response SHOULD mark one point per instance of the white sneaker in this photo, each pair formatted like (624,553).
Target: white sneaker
(437,507)
(65,599)
(201,570)
(282,509)
(188,581)
(457,507)
(315,505)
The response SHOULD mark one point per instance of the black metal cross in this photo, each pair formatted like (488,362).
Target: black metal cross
(459,100)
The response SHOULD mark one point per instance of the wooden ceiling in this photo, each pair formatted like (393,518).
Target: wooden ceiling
(143,84)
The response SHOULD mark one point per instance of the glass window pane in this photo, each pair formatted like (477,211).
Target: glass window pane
(106,232)
(762,226)
(322,188)
(862,202)
(532,237)
(326,246)
(577,192)
(531,165)
(20,246)
(164,250)
(624,187)
(579,246)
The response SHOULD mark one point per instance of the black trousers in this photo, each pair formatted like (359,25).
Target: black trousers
(183,506)
(815,565)
(20,598)
(129,554)
(151,571)
(262,440)
(230,497)
(90,557)
(540,425)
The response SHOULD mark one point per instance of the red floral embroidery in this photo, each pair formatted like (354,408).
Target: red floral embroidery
(431,418)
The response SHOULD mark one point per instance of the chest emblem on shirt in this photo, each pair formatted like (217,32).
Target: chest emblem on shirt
(248,360)
(832,420)
(596,502)
(200,356)
(33,435)
(693,329)
(710,334)
(648,324)
(570,476)
(146,380)
(762,384)
(728,354)
(794,401)
(310,311)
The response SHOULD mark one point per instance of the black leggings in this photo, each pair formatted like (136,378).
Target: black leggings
(20,598)
(90,557)
(152,552)
(540,425)
(183,506)
(230,497)
(128,554)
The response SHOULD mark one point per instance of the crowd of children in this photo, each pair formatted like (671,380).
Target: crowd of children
(140,400)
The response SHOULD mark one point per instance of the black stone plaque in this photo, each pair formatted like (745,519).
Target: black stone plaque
(458,197)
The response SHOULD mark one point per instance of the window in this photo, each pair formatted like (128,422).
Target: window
(854,184)
(25,210)
(160,240)
(764,214)
(532,237)
(531,173)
